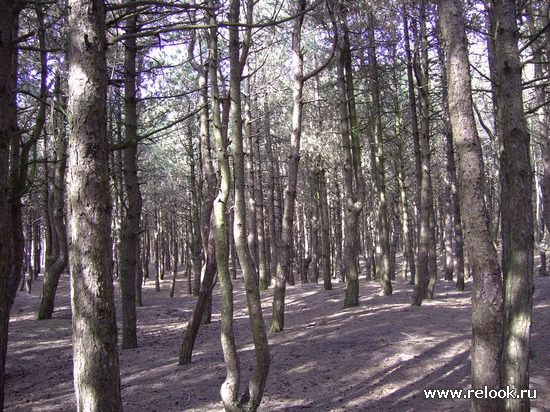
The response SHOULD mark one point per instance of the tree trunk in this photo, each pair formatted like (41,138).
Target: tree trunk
(254,392)
(95,357)
(57,261)
(129,242)
(516,205)
(325,229)
(487,290)
(377,148)
(230,386)
(426,231)
(8,127)
(285,249)
(353,173)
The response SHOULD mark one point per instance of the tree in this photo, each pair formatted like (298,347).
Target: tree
(129,242)
(516,205)
(487,289)
(95,358)
(8,127)
(57,259)
(287,230)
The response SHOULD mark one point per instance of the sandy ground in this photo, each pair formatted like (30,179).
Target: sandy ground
(378,356)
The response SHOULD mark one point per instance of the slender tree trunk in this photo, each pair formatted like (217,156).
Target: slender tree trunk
(230,386)
(325,229)
(426,206)
(262,252)
(377,148)
(285,250)
(254,392)
(129,242)
(271,214)
(353,173)
(516,205)
(487,290)
(95,357)
(56,263)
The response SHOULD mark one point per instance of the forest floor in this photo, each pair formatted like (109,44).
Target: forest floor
(379,356)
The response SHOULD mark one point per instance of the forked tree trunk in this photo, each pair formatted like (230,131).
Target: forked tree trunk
(487,290)
(95,357)
(256,385)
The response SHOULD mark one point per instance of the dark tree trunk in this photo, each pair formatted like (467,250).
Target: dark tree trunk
(129,242)
(8,128)
(516,206)
(56,262)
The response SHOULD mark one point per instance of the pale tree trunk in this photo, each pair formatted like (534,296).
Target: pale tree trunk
(95,357)
(487,290)
(516,205)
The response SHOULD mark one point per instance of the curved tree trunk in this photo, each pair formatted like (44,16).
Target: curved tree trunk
(56,263)
(487,290)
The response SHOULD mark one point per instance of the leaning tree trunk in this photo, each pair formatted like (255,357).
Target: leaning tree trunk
(230,386)
(57,261)
(203,305)
(95,358)
(487,290)
(254,392)
(516,205)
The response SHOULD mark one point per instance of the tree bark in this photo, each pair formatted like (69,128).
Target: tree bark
(95,357)
(487,290)
(8,127)
(254,392)
(377,148)
(131,219)
(57,261)
(516,205)
(285,249)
